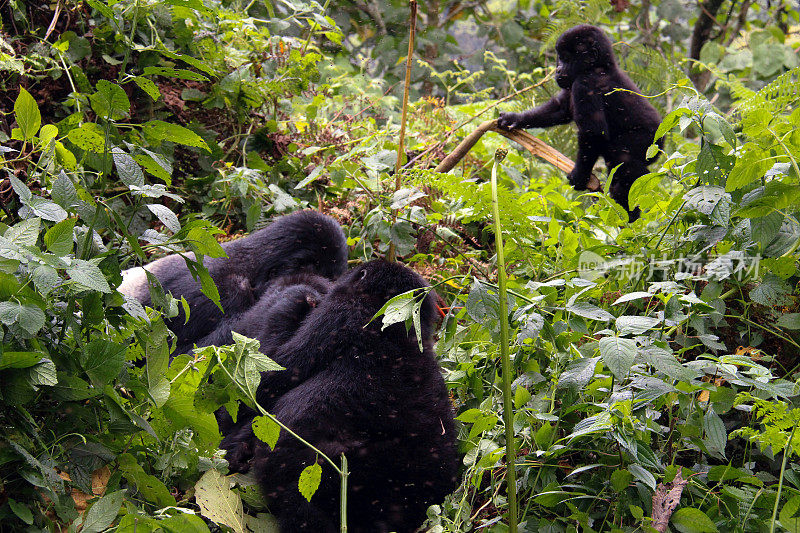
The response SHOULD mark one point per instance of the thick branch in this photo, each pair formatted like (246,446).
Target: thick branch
(535,146)
(700,36)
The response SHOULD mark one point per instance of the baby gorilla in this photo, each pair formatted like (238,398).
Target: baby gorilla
(305,241)
(618,125)
(272,321)
(369,393)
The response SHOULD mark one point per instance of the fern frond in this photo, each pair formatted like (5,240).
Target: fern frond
(775,96)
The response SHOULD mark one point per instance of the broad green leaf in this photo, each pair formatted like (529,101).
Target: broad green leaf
(102,360)
(110,101)
(29,119)
(102,8)
(749,167)
(28,317)
(771,292)
(643,475)
(148,86)
(692,520)
(24,233)
(620,480)
(103,512)
(789,516)
(218,502)
(592,312)
(716,436)
(166,216)
(64,192)
(578,373)
(88,275)
(47,210)
(309,480)
(89,136)
(19,359)
(618,354)
(148,486)
(789,321)
(58,239)
(129,171)
(705,198)
(159,131)
(22,511)
(267,430)
(635,325)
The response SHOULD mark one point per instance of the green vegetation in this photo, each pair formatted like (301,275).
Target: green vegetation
(658,355)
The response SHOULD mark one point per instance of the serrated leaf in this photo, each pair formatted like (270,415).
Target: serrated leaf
(789,321)
(771,292)
(129,171)
(218,502)
(24,233)
(28,317)
(27,114)
(148,486)
(309,481)
(102,360)
(88,275)
(102,513)
(64,193)
(266,430)
(46,209)
(578,373)
(706,198)
(179,73)
(618,354)
(58,239)
(716,436)
(664,361)
(692,520)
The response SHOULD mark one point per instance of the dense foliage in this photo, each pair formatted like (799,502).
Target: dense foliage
(664,351)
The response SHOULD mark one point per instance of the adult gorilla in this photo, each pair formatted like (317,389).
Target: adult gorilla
(302,242)
(613,120)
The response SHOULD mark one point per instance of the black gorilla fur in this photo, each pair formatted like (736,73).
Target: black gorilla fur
(618,125)
(365,392)
(305,241)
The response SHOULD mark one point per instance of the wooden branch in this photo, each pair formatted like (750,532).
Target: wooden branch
(665,500)
(535,146)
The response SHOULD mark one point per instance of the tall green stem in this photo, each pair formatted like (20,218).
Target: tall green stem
(786,451)
(412,30)
(505,356)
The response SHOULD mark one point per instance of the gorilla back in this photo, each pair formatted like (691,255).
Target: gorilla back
(369,393)
(305,241)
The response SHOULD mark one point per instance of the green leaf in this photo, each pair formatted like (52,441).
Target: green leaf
(218,502)
(89,136)
(179,73)
(789,516)
(267,430)
(58,239)
(19,359)
(716,436)
(592,312)
(789,321)
(635,325)
(102,8)
(148,486)
(29,119)
(28,317)
(148,86)
(166,216)
(771,292)
(309,480)
(88,275)
(618,354)
(705,198)
(22,511)
(47,210)
(159,131)
(692,520)
(102,360)
(578,373)
(102,513)
(620,479)
(129,171)
(110,101)
(64,192)
(24,233)
(749,167)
